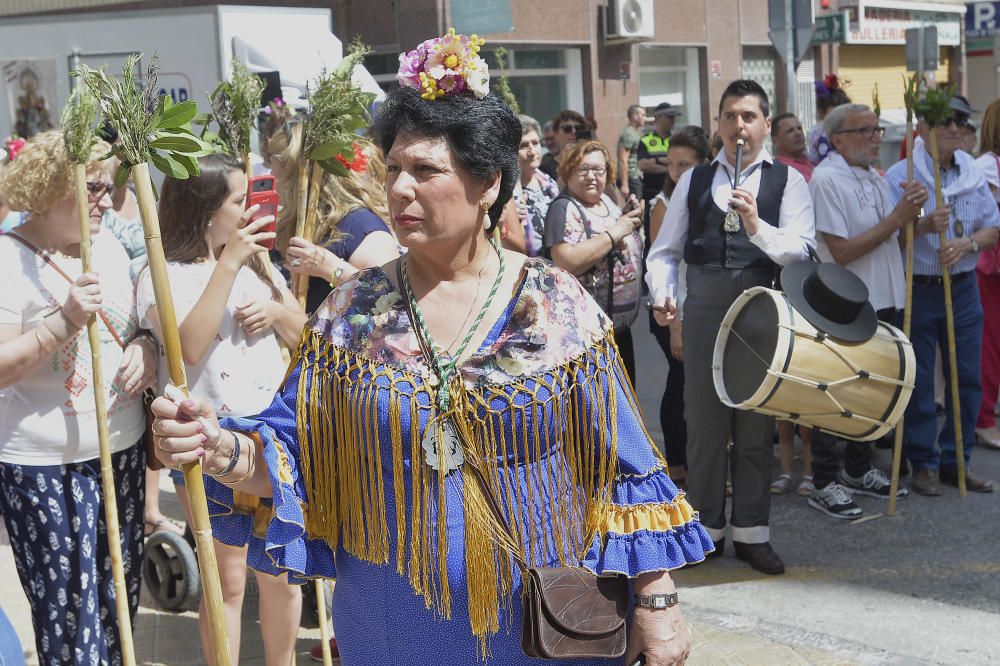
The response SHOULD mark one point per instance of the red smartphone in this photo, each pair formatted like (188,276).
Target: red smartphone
(262,192)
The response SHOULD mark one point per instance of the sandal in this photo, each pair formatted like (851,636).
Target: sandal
(782,484)
(162,525)
(807,486)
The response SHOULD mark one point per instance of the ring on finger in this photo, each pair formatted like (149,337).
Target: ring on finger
(295,262)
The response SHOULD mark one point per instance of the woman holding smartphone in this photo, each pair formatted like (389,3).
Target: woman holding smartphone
(233,313)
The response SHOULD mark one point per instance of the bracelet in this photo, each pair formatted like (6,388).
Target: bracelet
(335,276)
(656,601)
(251,465)
(234,459)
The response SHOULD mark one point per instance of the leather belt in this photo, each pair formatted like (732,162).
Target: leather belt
(938,280)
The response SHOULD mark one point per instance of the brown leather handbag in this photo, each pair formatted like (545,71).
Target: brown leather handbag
(569,613)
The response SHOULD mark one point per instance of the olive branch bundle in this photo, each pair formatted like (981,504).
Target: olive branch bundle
(158,131)
(337,110)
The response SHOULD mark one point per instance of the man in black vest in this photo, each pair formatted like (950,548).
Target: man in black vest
(732,239)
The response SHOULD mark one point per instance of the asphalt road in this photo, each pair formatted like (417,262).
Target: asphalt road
(941,549)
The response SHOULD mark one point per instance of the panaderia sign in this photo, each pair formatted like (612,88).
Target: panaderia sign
(886,21)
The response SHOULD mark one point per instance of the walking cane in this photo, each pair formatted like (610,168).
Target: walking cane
(159,135)
(78,122)
(910,98)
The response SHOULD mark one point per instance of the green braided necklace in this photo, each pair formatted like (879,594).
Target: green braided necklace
(445,369)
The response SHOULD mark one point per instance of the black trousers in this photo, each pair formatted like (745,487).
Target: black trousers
(623,338)
(857,455)
(672,423)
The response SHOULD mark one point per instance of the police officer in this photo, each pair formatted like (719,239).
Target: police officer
(653,150)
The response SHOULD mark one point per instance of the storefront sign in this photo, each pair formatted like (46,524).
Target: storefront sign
(831,29)
(886,21)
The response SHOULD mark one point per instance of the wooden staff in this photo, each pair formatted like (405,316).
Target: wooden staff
(194,484)
(956,405)
(103,435)
(300,282)
(324,630)
(897,446)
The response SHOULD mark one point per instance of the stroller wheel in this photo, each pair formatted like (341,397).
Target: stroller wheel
(170,572)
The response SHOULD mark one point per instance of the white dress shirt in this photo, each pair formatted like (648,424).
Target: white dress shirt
(786,242)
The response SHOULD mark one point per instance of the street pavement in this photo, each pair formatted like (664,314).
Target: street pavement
(922,587)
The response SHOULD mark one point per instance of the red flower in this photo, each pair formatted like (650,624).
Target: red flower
(14,146)
(360,161)
(831,81)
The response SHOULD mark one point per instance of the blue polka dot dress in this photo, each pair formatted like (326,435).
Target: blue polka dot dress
(362,494)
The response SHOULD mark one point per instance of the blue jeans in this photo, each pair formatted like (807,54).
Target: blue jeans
(926,447)
(11,653)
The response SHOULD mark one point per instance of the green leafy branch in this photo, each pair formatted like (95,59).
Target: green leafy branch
(935,107)
(337,110)
(235,105)
(149,129)
(503,85)
(911,94)
(79,123)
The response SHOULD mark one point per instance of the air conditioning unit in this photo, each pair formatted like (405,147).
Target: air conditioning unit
(629,20)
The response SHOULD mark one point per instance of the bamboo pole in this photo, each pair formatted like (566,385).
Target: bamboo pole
(324,630)
(956,405)
(315,185)
(103,435)
(897,446)
(194,484)
(300,286)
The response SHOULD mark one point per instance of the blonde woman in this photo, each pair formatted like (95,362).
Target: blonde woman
(50,471)
(351,232)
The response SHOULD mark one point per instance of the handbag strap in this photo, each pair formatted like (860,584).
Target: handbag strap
(48,260)
(589,232)
(491,499)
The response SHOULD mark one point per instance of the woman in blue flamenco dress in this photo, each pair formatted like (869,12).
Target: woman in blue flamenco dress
(359,458)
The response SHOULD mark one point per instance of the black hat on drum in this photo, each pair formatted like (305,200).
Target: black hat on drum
(831,298)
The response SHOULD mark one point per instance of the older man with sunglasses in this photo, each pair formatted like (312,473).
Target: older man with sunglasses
(970,222)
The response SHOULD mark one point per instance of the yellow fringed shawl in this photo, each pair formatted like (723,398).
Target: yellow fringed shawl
(565,440)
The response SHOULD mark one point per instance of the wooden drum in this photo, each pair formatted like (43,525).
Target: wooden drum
(769,359)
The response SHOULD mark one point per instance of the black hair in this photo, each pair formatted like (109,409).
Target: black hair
(692,137)
(107,132)
(484,134)
(776,121)
(743,88)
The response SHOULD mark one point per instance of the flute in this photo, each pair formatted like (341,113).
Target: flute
(732,224)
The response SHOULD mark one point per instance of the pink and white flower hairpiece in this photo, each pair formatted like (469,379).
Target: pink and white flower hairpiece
(448,65)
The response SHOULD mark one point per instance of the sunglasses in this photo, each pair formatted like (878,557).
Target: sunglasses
(960,121)
(570,128)
(98,189)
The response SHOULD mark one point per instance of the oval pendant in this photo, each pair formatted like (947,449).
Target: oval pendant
(959,229)
(732,224)
(440,435)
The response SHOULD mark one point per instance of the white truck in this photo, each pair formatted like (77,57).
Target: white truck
(195,46)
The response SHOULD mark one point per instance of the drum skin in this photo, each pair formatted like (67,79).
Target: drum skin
(769,359)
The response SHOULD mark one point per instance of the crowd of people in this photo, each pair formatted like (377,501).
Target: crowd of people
(548,240)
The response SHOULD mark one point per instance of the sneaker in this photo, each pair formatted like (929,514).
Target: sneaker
(874,483)
(835,501)
(316,653)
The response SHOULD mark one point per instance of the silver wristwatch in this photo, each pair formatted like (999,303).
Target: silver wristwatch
(656,601)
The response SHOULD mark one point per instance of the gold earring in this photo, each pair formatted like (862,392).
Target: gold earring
(485,206)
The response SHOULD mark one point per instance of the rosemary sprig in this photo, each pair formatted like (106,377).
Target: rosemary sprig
(503,86)
(79,124)
(935,107)
(235,105)
(911,94)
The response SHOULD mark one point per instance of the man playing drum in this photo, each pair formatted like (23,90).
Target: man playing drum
(732,238)
(859,229)
(969,219)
